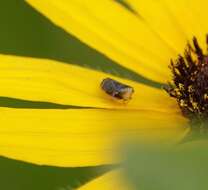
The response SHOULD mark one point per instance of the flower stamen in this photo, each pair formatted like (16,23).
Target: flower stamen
(190,81)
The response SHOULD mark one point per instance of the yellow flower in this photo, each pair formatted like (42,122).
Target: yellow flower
(142,38)
(92,125)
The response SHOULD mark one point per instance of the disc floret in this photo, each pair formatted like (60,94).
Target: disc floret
(190,82)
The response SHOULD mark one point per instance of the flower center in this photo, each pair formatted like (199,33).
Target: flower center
(190,82)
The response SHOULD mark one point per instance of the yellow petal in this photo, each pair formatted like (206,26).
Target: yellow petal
(113,30)
(80,137)
(51,81)
(191,16)
(158,17)
(109,181)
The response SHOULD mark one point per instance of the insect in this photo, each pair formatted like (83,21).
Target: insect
(116,89)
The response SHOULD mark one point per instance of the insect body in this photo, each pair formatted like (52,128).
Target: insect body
(117,89)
